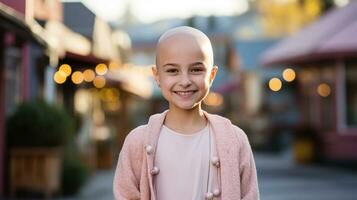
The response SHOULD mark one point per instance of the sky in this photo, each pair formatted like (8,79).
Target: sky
(148,11)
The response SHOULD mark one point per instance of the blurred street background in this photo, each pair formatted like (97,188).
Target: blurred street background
(75,78)
(279,179)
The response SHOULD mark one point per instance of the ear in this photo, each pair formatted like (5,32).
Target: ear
(155,73)
(213,74)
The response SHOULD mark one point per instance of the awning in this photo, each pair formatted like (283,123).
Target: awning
(90,58)
(63,40)
(13,21)
(136,80)
(333,36)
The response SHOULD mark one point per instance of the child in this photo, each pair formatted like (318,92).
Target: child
(185,153)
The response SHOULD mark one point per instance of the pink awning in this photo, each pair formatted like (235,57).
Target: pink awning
(333,36)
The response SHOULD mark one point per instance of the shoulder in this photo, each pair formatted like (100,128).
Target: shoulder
(132,149)
(217,120)
(244,147)
(242,136)
(134,141)
(215,117)
(220,121)
(142,133)
(136,136)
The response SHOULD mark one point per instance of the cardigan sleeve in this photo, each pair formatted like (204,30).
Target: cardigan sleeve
(127,173)
(248,172)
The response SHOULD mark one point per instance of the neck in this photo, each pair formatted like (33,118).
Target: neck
(185,121)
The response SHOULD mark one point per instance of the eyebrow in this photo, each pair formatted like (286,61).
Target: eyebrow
(177,65)
(171,64)
(197,63)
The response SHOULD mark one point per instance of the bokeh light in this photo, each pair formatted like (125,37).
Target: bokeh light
(88,75)
(101,69)
(275,84)
(99,82)
(213,99)
(77,77)
(66,69)
(289,75)
(59,77)
(109,94)
(113,66)
(324,90)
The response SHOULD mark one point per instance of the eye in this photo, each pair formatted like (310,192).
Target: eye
(171,71)
(197,69)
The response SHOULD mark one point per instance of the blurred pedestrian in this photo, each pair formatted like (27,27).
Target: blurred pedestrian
(185,153)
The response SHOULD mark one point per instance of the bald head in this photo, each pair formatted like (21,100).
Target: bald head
(181,38)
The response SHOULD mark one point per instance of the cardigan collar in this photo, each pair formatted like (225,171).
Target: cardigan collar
(226,149)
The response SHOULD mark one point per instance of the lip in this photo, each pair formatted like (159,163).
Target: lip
(185,93)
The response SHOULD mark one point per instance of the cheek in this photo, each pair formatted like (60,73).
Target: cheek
(203,81)
(166,83)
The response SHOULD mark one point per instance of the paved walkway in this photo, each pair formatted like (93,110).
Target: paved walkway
(99,187)
(279,179)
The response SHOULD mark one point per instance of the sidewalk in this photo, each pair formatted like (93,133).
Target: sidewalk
(99,187)
(281,179)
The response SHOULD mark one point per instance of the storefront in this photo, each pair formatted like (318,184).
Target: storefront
(324,55)
(18,57)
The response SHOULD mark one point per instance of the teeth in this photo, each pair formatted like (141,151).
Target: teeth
(185,93)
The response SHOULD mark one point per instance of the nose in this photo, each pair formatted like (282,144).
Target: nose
(185,80)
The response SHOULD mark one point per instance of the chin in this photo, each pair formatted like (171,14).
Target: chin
(186,106)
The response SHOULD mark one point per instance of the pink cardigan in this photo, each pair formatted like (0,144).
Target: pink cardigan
(133,180)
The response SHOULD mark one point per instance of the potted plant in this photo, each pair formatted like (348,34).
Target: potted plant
(306,144)
(36,135)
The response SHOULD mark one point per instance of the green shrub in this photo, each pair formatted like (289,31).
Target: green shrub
(39,124)
(74,176)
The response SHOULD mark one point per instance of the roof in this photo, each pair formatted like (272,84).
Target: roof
(331,37)
(78,18)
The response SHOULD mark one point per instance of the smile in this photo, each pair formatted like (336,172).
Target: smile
(185,93)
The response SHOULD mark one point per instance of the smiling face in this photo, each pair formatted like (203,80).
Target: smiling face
(184,68)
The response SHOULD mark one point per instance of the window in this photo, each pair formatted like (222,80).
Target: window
(327,105)
(351,93)
(12,79)
(318,109)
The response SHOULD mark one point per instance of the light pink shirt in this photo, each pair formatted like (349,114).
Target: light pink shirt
(184,165)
